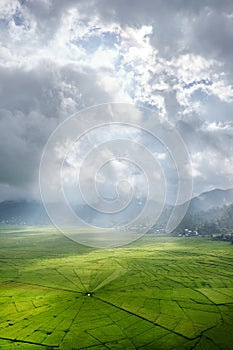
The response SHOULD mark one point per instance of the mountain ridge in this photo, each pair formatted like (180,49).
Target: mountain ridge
(32,212)
(211,199)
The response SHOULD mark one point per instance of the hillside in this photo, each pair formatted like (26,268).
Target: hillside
(211,199)
(207,207)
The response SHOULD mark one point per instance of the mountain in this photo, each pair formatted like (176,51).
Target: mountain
(211,199)
(33,212)
(209,213)
(23,212)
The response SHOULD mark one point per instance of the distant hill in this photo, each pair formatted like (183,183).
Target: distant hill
(211,199)
(209,213)
(33,212)
(23,212)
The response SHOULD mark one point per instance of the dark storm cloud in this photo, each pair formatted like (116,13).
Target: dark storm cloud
(27,90)
(48,14)
(212,137)
(40,87)
(179,26)
(211,149)
(32,105)
(44,87)
(21,138)
(205,22)
(200,27)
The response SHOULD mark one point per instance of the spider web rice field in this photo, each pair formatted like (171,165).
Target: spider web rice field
(157,293)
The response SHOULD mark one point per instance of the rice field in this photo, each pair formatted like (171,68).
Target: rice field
(159,293)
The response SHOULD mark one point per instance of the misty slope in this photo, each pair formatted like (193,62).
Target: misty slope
(23,212)
(209,213)
(33,212)
(211,199)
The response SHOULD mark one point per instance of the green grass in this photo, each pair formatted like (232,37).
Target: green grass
(159,293)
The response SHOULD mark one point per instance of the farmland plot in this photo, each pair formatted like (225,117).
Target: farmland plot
(158,293)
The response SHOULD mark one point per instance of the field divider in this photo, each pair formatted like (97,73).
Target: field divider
(47,287)
(29,342)
(145,319)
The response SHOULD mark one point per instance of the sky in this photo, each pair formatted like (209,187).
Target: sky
(58,57)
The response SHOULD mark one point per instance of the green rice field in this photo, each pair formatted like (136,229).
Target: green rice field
(158,293)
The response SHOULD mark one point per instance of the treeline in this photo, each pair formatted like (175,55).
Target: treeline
(213,221)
